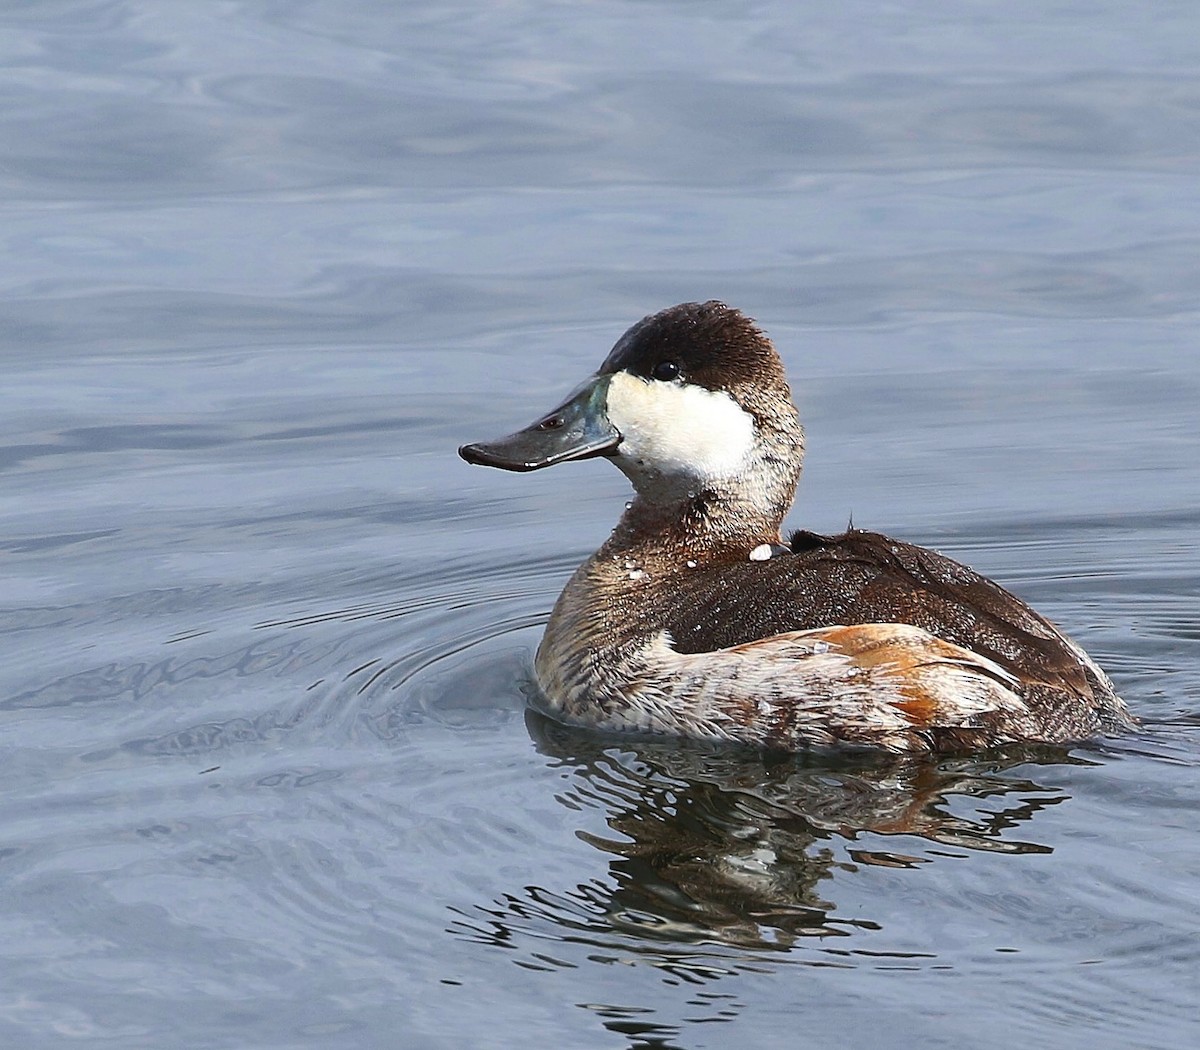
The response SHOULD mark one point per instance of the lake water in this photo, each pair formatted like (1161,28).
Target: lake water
(268,780)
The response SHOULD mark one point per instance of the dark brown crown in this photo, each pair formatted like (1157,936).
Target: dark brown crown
(713,345)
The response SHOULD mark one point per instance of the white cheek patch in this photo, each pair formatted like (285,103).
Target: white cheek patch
(679,429)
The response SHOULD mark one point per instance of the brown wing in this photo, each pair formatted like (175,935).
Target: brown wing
(956,603)
(864,577)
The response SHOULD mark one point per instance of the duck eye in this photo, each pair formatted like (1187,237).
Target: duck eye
(665,370)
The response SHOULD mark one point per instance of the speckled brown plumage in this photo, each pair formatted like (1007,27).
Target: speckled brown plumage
(1001,672)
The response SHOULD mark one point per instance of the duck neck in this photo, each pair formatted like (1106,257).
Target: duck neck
(703,526)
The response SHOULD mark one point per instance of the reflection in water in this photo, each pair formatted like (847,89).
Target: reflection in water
(713,850)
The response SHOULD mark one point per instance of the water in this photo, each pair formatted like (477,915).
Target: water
(267,775)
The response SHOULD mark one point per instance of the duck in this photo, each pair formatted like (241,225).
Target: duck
(697,619)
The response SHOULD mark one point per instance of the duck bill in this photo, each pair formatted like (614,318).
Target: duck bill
(578,429)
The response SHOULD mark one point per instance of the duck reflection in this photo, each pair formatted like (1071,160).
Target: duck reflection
(743,849)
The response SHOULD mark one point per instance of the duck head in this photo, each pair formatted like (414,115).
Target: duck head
(692,401)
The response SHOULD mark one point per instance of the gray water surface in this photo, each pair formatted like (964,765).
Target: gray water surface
(268,777)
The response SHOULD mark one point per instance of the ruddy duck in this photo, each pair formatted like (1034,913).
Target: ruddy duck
(696,619)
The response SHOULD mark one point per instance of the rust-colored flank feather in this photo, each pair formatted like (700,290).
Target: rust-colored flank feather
(695,619)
